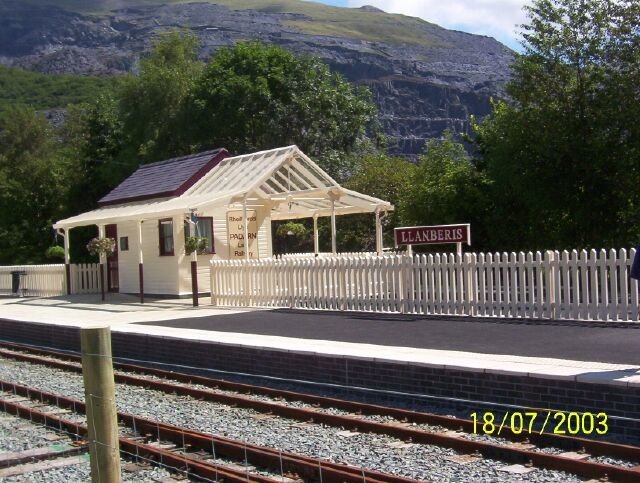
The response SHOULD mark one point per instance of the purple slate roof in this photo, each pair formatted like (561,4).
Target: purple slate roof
(168,178)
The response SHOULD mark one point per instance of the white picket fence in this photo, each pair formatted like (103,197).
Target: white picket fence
(49,280)
(592,285)
(324,255)
(38,280)
(85,278)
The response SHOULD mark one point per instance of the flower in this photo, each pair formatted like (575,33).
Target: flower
(102,246)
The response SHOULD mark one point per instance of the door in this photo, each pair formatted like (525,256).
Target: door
(113,284)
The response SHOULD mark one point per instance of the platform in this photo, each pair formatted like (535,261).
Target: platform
(605,353)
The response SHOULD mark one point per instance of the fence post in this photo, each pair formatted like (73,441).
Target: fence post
(212,284)
(409,289)
(342,283)
(470,266)
(99,389)
(289,271)
(551,276)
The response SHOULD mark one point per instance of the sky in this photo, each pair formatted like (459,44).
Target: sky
(496,18)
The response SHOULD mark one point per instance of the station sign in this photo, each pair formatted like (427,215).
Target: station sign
(235,231)
(432,235)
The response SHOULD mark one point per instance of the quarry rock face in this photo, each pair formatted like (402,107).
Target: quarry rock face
(420,89)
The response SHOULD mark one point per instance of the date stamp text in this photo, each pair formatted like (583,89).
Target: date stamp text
(529,422)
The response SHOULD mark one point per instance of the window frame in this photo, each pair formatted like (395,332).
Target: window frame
(161,238)
(124,247)
(213,245)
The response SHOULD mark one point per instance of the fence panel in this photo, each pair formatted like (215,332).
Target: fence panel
(583,285)
(36,280)
(85,278)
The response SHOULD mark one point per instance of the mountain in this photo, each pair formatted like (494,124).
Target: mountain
(424,78)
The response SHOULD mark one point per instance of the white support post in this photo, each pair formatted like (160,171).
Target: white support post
(103,260)
(378,233)
(67,259)
(334,249)
(140,263)
(67,254)
(316,240)
(459,248)
(194,266)
(192,232)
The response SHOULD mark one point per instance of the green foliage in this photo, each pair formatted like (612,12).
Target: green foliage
(291,228)
(247,98)
(31,176)
(55,253)
(46,91)
(195,244)
(292,237)
(382,176)
(446,188)
(253,96)
(153,109)
(94,139)
(564,156)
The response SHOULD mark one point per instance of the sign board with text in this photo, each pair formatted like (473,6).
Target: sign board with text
(235,234)
(431,235)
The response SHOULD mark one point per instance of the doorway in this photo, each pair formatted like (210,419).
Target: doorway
(113,277)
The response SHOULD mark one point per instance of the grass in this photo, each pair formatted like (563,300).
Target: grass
(46,91)
(323,19)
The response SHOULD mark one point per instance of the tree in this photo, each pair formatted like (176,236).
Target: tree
(31,180)
(154,104)
(446,188)
(382,176)
(254,97)
(142,118)
(564,153)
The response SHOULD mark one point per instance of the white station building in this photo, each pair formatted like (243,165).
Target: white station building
(150,213)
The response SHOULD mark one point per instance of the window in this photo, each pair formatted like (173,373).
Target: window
(124,243)
(204,228)
(165,232)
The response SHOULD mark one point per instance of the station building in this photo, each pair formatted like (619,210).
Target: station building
(211,194)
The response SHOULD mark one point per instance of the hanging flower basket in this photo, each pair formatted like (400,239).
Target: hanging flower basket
(102,246)
(195,244)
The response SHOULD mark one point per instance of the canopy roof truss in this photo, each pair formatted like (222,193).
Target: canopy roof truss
(285,180)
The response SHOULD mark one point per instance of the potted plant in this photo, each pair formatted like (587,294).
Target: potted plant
(55,253)
(196,244)
(102,246)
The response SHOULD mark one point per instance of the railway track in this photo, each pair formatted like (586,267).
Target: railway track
(186,450)
(571,454)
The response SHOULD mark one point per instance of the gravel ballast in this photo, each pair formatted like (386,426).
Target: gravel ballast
(18,434)
(377,452)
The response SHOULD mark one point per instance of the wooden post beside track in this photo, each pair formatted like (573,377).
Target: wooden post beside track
(99,390)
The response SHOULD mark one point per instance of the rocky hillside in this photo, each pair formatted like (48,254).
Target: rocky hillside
(424,78)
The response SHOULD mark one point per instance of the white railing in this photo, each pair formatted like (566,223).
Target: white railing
(85,278)
(582,285)
(49,280)
(35,280)
(324,255)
